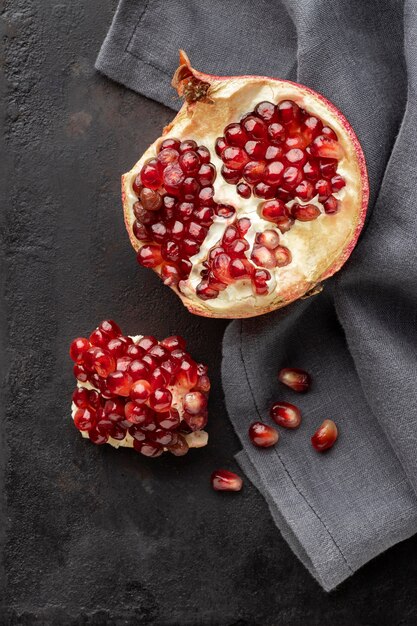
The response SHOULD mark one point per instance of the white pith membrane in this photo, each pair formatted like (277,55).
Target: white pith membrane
(196,439)
(318,247)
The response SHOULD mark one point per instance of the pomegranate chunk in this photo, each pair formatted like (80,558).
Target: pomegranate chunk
(153,397)
(223,480)
(295,378)
(325,436)
(262,435)
(285,414)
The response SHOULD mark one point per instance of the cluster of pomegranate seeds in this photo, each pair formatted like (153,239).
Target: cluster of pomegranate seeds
(175,207)
(134,384)
(289,416)
(224,480)
(282,152)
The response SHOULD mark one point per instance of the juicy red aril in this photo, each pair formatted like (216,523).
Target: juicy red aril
(170,251)
(225,210)
(296,156)
(269,239)
(134,413)
(323,188)
(219,146)
(150,175)
(328,167)
(263,257)
(163,437)
(173,343)
(276,132)
(273,173)
(149,256)
(137,433)
(262,190)
(140,391)
(98,338)
(206,196)
(235,135)
(230,175)
(305,190)
(282,256)
(168,420)
(147,342)
(138,369)
(187,145)
(234,158)
(326,147)
(161,400)
(80,373)
(256,150)
(204,154)
(195,422)
(151,200)
(254,127)
(337,183)
(243,225)
(240,269)
(187,375)
(147,448)
(205,292)
(190,188)
(285,414)
(305,213)
(85,419)
(173,177)
(220,268)
(170,143)
(140,231)
(262,435)
(180,447)
(206,175)
(325,436)
(80,397)
(137,185)
(331,205)
(260,278)
(311,170)
(291,177)
(78,347)
(167,156)
(119,383)
(273,153)
(295,378)
(194,402)
(266,111)
(253,171)
(98,437)
(274,211)
(118,346)
(238,248)
(289,111)
(223,480)
(189,163)
(244,190)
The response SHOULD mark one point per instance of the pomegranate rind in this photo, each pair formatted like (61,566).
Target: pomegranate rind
(223,100)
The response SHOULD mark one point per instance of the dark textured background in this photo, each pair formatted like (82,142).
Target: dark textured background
(92,535)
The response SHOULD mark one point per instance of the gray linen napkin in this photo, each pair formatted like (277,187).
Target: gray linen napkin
(357,338)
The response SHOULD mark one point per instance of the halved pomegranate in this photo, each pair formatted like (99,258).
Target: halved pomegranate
(139,392)
(256,192)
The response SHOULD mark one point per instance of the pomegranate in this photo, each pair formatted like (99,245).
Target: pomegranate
(262,435)
(297,379)
(285,414)
(255,193)
(224,480)
(325,436)
(139,392)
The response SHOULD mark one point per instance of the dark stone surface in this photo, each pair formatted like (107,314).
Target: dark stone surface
(92,535)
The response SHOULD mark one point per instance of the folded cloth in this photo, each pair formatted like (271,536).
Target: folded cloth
(357,338)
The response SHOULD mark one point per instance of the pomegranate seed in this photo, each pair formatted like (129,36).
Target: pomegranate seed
(230,234)
(305,190)
(187,145)
(243,225)
(273,173)
(173,177)
(143,216)
(161,400)
(285,414)
(150,175)
(205,292)
(147,448)
(253,171)
(266,111)
(158,231)
(137,433)
(325,436)
(80,397)
(263,257)
(337,183)
(328,167)
(311,170)
(231,176)
(282,256)
(167,156)
(288,111)
(180,447)
(260,278)
(244,190)
(262,435)
(331,205)
(194,402)
(220,268)
(110,328)
(123,363)
(140,391)
(163,437)
(170,143)
(276,132)
(195,422)
(98,438)
(274,211)
(295,378)
(254,127)
(269,239)
(80,373)
(305,213)
(150,199)
(204,215)
(189,163)
(137,185)
(119,383)
(273,153)
(138,370)
(134,413)
(118,346)
(140,231)
(326,147)
(262,190)
(296,156)
(256,150)
(295,142)
(235,135)
(85,419)
(147,342)
(323,188)
(149,256)
(190,188)
(223,480)
(118,432)
(187,375)
(235,158)
(173,343)
(240,269)
(103,362)
(78,347)
(238,248)
(206,196)
(168,420)
(328,132)
(206,174)
(219,146)
(204,154)
(291,177)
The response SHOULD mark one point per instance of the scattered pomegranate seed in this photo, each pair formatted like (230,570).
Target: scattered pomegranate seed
(285,414)
(325,436)
(295,378)
(224,480)
(262,435)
